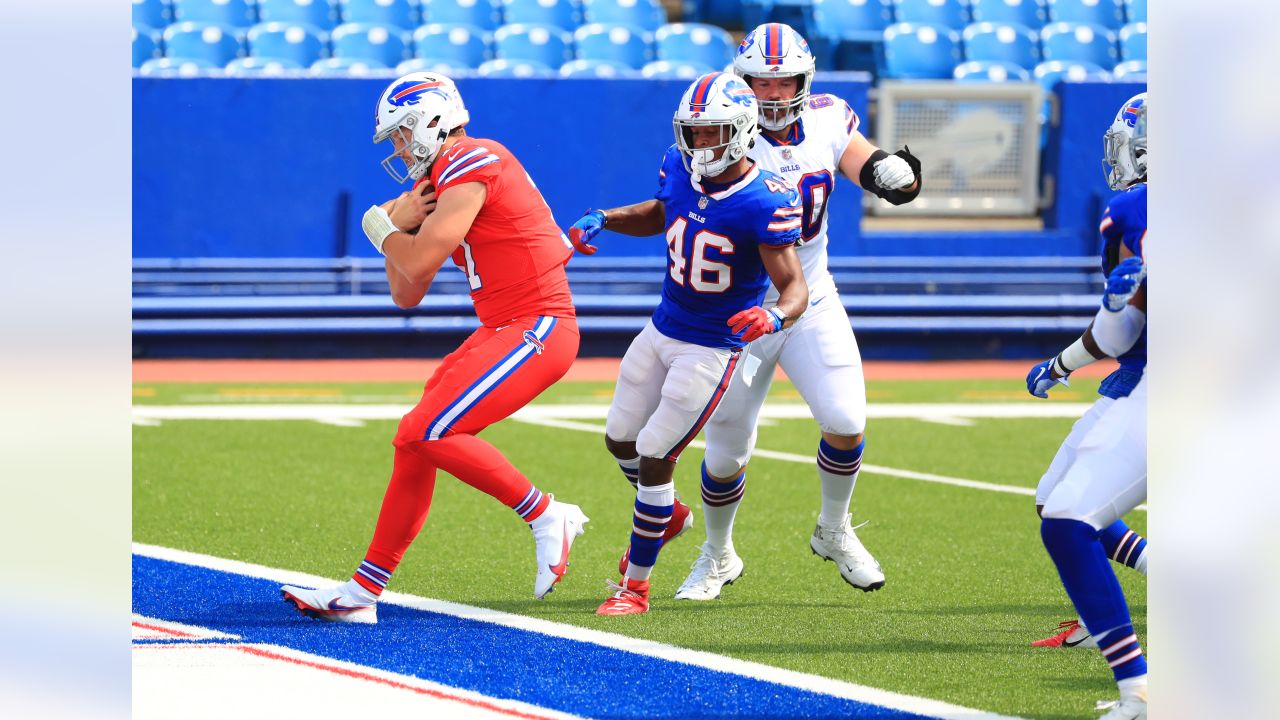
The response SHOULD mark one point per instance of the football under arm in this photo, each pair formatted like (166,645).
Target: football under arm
(640,220)
(418,257)
(783,266)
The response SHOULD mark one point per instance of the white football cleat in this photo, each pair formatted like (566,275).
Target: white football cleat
(330,605)
(841,546)
(1130,709)
(554,532)
(710,573)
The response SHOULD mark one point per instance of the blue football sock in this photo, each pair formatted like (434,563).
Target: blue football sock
(1122,544)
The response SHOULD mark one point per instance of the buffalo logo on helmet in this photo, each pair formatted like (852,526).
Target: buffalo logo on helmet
(746,43)
(410,92)
(741,95)
(1130,112)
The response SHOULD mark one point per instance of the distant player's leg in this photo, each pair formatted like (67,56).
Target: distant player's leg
(822,359)
(695,383)
(500,374)
(1107,480)
(731,436)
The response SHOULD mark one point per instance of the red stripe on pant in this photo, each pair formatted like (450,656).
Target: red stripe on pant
(674,453)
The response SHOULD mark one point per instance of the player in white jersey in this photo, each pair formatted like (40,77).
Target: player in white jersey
(807,139)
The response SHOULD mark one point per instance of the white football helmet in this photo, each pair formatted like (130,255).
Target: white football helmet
(1124,158)
(716,99)
(417,111)
(776,50)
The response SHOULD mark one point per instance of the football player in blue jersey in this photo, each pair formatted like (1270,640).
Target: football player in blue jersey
(1099,473)
(730,228)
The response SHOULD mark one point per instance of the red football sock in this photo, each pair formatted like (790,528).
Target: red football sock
(480,465)
(404,510)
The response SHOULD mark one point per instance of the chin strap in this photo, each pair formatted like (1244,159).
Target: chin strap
(867,177)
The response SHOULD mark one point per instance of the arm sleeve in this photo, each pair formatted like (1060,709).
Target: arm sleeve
(782,221)
(667,173)
(479,164)
(1116,332)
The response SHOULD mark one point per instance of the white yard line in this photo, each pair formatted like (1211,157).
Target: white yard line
(662,651)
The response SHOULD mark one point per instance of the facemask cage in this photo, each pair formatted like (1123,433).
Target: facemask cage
(778,114)
(406,132)
(701,161)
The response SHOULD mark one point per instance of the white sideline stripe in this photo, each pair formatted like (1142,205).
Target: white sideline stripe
(649,648)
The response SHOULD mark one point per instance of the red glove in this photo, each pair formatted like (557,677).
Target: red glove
(755,322)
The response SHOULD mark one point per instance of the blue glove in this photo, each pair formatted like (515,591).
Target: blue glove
(1040,380)
(1123,283)
(587,227)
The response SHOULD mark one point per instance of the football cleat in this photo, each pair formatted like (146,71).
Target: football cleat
(553,533)
(681,520)
(629,598)
(1072,633)
(710,573)
(330,605)
(1130,709)
(841,546)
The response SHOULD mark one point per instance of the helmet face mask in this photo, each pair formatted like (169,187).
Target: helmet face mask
(1124,147)
(417,112)
(774,50)
(716,100)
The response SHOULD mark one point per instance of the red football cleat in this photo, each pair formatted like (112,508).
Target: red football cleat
(1072,634)
(631,598)
(681,520)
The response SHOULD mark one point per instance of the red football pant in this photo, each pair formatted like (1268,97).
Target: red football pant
(494,373)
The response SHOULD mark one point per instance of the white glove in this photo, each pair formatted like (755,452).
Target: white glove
(893,173)
(377,226)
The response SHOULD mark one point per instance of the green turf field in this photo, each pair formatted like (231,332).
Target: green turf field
(968,582)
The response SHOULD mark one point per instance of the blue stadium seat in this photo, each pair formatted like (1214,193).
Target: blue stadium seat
(1107,13)
(263,67)
(214,44)
(1135,10)
(1133,41)
(544,44)
(679,70)
(155,14)
(178,67)
(1001,43)
(233,13)
(437,66)
(515,69)
(458,45)
(986,71)
(320,14)
(852,19)
(694,43)
(383,44)
(484,14)
(1129,68)
(597,69)
(724,13)
(1050,73)
(345,66)
(644,14)
(947,13)
(1079,43)
(565,14)
(629,46)
(146,45)
(1031,13)
(915,52)
(398,13)
(300,44)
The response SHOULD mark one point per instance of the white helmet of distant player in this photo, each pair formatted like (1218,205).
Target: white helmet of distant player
(721,100)
(776,50)
(1124,158)
(417,112)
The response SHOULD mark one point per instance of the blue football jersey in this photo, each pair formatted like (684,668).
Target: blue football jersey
(1125,223)
(713,235)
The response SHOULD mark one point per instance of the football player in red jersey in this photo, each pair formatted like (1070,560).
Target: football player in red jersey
(472,201)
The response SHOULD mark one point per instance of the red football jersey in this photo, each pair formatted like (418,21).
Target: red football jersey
(514,254)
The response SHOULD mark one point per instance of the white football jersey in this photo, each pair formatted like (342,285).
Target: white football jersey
(810,160)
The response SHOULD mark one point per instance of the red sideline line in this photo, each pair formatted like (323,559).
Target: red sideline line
(402,686)
(167,631)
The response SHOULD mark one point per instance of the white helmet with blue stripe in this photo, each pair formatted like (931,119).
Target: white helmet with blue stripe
(417,112)
(776,50)
(716,99)
(1124,158)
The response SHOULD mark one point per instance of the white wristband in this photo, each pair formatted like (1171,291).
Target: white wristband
(1073,358)
(377,226)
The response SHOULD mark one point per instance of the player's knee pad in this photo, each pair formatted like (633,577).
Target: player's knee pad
(725,457)
(1071,501)
(841,419)
(653,444)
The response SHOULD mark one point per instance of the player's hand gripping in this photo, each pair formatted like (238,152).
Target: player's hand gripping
(411,208)
(756,322)
(584,230)
(1041,379)
(1123,283)
(893,173)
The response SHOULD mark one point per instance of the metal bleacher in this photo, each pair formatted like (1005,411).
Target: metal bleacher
(901,307)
